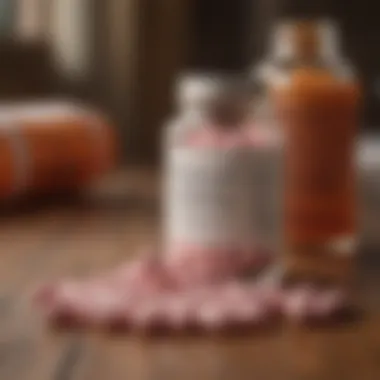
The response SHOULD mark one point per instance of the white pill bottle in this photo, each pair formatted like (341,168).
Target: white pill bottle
(210,177)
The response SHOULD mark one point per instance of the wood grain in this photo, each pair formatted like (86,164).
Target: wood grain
(86,237)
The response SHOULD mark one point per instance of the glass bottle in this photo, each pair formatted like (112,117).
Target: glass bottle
(209,177)
(314,95)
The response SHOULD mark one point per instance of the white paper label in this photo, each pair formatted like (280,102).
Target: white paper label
(219,197)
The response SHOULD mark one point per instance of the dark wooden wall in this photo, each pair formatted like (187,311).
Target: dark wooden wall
(26,71)
(361,27)
(169,36)
(360,32)
(138,48)
(221,32)
(163,47)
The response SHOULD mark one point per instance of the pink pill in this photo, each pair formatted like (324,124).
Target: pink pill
(179,311)
(212,316)
(297,303)
(326,303)
(148,314)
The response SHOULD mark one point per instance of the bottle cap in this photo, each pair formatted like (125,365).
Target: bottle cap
(195,90)
(226,99)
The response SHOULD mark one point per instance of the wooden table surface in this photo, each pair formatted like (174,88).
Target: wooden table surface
(84,238)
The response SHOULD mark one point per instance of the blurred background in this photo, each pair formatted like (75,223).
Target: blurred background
(122,56)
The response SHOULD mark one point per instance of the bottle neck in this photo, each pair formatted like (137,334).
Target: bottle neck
(305,42)
(196,112)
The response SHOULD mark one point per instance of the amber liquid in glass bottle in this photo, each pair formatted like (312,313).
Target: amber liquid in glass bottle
(317,108)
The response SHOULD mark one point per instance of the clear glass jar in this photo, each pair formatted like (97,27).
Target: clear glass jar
(213,167)
(310,91)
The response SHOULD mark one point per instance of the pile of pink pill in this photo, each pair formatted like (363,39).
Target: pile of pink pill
(145,295)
